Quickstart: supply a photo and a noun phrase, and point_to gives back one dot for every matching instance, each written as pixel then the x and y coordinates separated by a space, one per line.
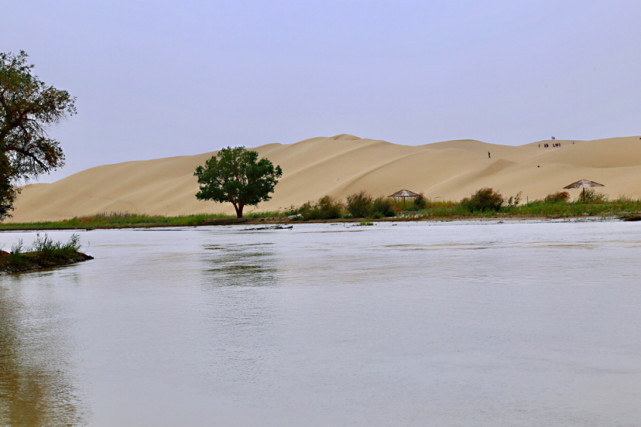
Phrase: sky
pixel 166 78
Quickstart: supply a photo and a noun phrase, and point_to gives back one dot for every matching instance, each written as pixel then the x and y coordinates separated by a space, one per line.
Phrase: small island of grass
pixel 45 253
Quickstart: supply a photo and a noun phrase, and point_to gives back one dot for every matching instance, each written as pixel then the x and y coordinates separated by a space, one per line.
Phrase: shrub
pixel 590 196
pixel 292 211
pixel 559 197
pixel 382 207
pixel 514 200
pixel 325 208
pixel 329 208
pixel 306 210
pixel 420 202
pixel 359 205
pixel 486 199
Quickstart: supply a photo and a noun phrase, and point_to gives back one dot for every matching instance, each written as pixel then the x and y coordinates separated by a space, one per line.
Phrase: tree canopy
pixel 27 107
pixel 237 176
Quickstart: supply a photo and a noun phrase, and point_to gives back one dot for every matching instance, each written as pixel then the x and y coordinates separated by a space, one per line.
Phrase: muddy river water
pixel 465 323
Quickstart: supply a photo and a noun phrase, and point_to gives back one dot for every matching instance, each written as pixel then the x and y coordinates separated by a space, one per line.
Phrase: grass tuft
pixel 44 253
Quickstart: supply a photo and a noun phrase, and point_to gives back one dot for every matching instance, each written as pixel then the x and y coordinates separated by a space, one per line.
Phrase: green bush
pixel 325 208
pixel 559 197
pixel 590 196
pixel 329 208
pixel 486 199
pixel 360 205
pixel 420 202
pixel 382 207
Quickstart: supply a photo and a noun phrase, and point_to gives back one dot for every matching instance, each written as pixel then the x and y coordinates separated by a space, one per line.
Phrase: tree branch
pixel 27 154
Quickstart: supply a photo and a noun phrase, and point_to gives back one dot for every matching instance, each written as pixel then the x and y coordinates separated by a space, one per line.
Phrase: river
pixel 416 324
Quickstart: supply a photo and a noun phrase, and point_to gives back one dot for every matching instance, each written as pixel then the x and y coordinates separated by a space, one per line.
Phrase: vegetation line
pixel 127 220
pixel 485 203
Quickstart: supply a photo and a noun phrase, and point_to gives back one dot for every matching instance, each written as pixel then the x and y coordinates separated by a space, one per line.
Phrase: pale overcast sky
pixel 165 78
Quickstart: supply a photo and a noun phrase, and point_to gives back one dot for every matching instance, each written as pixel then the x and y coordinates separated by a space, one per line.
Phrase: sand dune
pixel 342 165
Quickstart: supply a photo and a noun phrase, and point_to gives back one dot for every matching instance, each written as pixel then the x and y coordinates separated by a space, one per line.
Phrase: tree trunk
pixel 239 211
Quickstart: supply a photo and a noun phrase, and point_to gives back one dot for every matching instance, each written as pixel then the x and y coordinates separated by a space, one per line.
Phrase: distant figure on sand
pixel 488 155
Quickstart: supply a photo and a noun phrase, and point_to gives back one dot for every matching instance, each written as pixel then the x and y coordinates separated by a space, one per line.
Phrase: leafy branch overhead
pixel 27 107
pixel 237 176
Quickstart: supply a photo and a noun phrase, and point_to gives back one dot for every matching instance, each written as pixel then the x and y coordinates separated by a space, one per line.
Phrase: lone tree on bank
pixel 236 175
pixel 27 106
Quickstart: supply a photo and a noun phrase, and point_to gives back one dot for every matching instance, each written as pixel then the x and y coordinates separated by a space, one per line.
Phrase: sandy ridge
pixel 341 165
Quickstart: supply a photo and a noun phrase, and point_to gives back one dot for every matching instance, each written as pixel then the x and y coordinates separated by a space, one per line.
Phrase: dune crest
pixel 342 165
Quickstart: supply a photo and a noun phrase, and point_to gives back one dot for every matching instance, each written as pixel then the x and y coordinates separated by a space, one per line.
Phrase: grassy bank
pixel 486 203
pixel 126 220
pixel 360 206
pixel 535 209
pixel 45 253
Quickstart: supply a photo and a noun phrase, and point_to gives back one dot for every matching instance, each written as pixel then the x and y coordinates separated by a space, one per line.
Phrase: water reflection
pixel 241 264
pixel 240 313
pixel 35 387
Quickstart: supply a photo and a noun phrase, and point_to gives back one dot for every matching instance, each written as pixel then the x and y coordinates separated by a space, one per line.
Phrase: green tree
pixel 236 175
pixel 27 107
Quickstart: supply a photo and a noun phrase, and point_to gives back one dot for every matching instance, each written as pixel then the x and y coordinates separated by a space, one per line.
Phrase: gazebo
pixel 583 184
pixel 404 194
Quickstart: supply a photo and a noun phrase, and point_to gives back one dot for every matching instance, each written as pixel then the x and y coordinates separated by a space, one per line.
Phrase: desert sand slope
pixel 342 165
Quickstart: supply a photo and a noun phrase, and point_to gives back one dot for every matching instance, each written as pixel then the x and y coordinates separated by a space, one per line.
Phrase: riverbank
pixel 125 220
pixel 32 261
pixel 484 204
pixel 120 221
pixel 45 253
